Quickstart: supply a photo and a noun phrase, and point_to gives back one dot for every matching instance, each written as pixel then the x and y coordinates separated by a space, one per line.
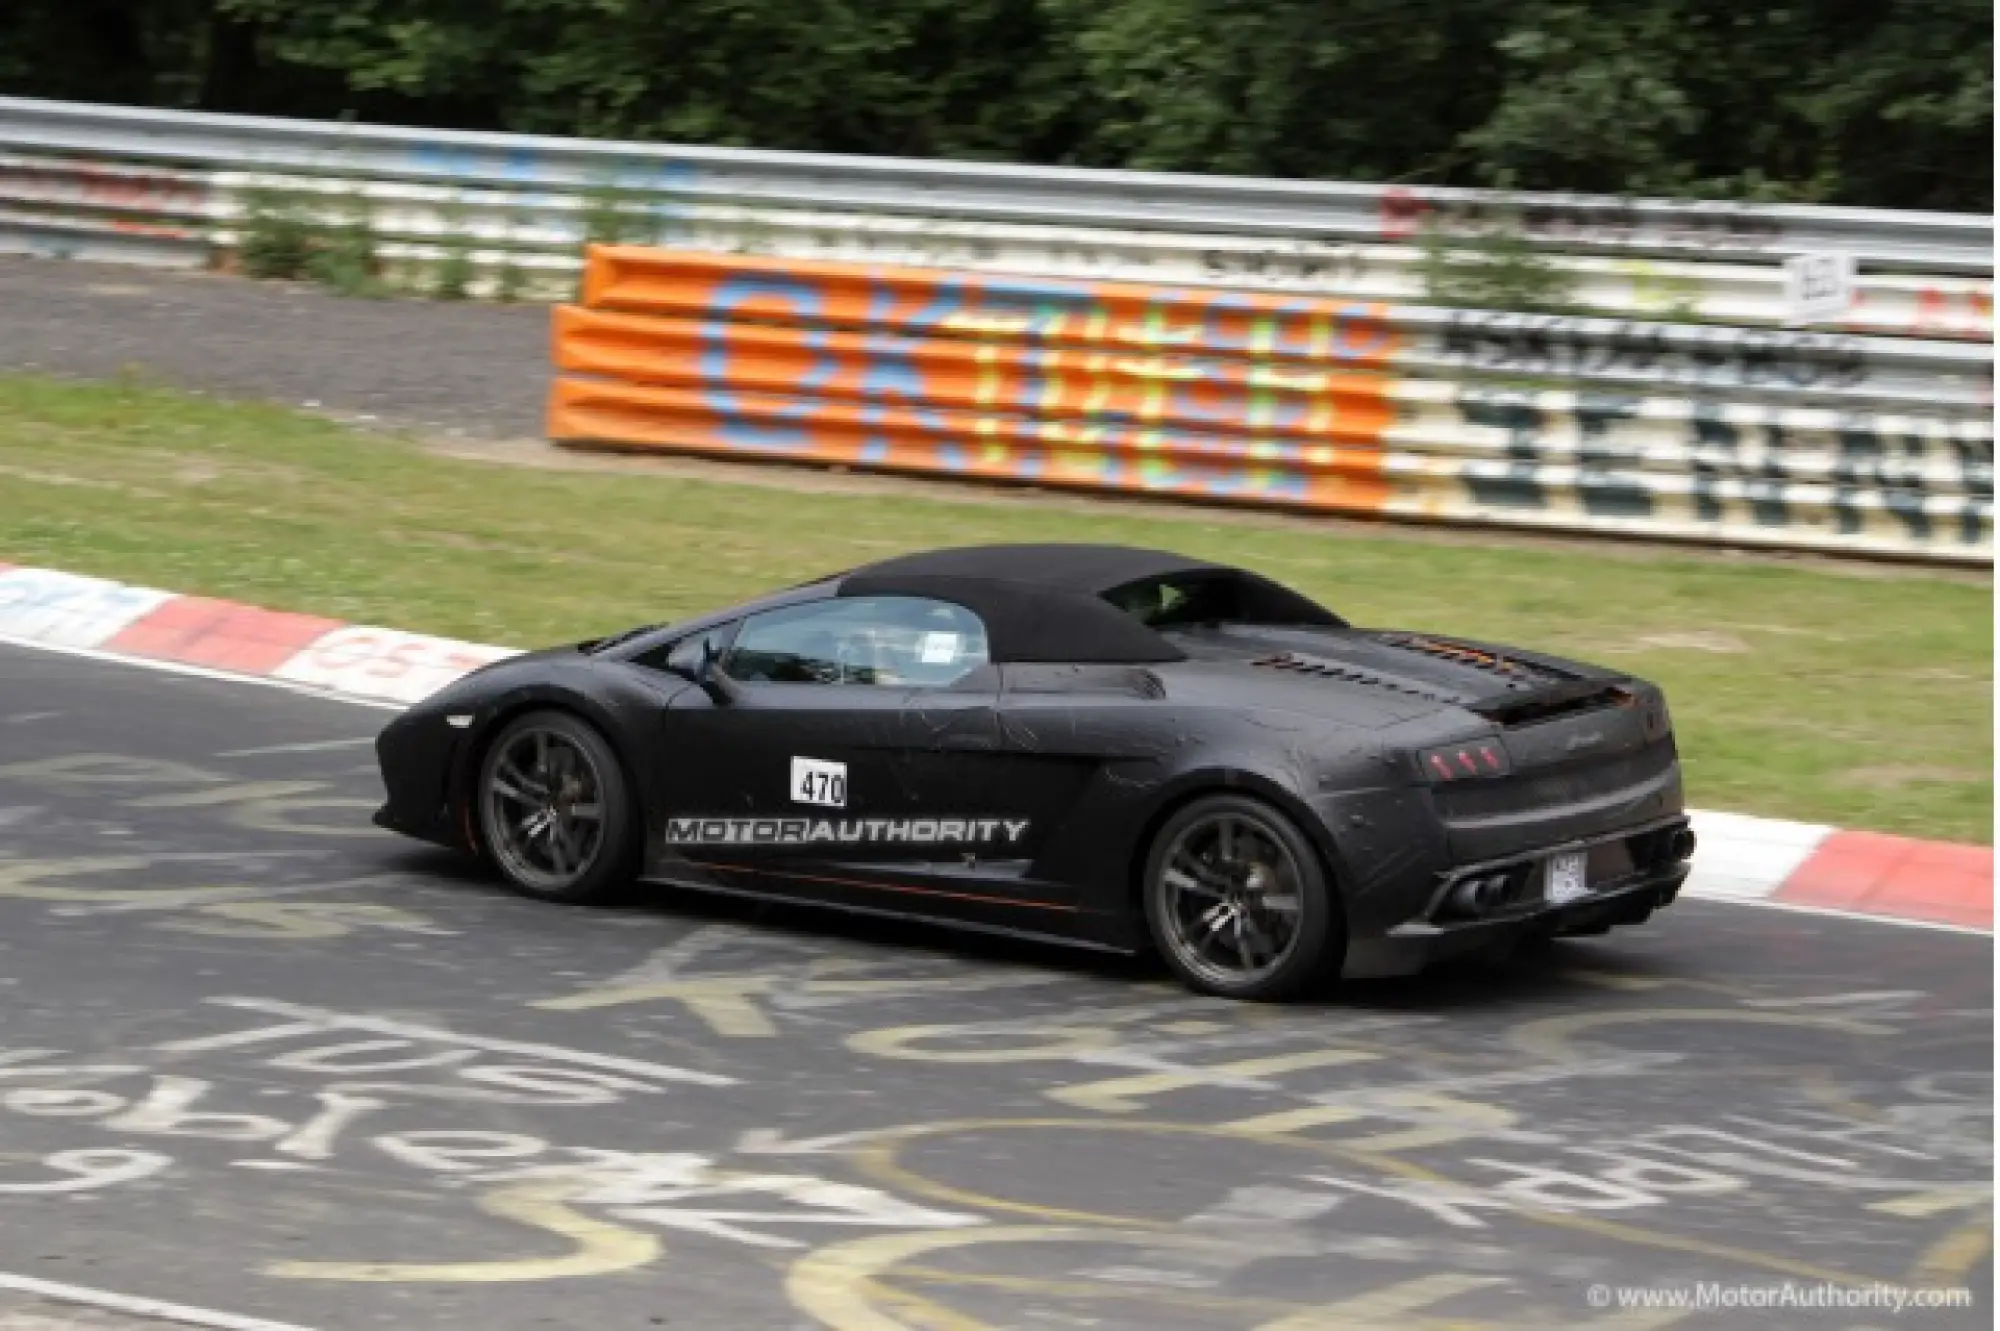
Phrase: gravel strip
pixel 477 369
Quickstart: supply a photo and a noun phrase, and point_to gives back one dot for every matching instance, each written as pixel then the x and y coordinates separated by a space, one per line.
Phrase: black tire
pixel 566 831
pixel 1196 872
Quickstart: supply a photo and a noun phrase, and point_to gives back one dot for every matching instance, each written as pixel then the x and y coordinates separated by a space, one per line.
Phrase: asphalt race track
pixel 262 1058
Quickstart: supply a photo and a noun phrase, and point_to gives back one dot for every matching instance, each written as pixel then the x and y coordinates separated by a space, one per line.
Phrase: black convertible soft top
pixel 1047 602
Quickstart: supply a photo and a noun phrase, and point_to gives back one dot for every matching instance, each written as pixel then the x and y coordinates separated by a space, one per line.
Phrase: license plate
pixel 1569 877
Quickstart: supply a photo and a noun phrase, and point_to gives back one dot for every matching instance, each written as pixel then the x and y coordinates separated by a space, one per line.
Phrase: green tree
pixel 957 77
pixel 1882 102
pixel 1333 89
pixel 1841 101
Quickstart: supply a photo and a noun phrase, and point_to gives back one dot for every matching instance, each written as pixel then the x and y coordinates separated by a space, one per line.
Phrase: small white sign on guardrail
pixel 1819 287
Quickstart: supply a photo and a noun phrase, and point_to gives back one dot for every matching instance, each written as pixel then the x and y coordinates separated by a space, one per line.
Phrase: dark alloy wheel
pixel 554 811
pixel 1237 901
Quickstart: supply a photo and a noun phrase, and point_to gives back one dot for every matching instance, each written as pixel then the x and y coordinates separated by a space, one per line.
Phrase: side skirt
pixel 954 923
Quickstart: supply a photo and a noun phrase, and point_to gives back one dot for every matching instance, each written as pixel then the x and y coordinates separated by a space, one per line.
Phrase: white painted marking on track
pixel 185 1314
pixel 199 672
pixel 1838 1000
pixel 175 898
pixel 341 1021
pixel 316 746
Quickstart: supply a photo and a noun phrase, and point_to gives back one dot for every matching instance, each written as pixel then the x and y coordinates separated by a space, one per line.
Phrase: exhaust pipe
pixel 1477 896
pixel 1681 846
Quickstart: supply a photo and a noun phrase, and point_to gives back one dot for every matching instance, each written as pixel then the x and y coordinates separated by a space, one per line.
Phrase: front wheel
pixel 1237 901
pixel 555 812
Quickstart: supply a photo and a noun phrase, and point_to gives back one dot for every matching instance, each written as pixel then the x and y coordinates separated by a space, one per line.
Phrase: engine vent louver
pixel 1518 674
pixel 1299 663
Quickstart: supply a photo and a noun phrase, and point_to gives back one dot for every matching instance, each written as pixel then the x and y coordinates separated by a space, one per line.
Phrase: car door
pixel 837 751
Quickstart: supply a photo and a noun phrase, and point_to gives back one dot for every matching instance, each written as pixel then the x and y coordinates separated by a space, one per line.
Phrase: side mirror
pixel 720 688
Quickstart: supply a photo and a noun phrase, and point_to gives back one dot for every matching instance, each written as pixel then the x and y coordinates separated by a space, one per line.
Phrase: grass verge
pixel 1862 698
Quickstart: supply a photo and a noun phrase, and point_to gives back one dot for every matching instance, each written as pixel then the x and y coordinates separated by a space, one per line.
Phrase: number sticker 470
pixel 815 781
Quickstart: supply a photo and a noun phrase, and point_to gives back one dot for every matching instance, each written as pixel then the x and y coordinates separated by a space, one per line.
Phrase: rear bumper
pixel 1431 934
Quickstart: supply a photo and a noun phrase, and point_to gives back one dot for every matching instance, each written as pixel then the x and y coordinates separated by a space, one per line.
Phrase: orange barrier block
pixel 725 289
pixel 1124 388
pixel 991 445
pixel 1111 385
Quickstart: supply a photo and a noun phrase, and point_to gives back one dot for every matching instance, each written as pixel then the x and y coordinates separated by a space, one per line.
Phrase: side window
pixel 884 641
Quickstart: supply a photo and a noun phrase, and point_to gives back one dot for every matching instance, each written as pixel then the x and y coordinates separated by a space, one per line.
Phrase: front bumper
pixel 417 755
pixel 1650 881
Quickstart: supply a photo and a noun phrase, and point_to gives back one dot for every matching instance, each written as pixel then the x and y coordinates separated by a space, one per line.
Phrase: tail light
pixel 1473 760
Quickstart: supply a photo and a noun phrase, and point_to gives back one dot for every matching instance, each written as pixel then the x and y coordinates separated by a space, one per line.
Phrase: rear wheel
pixel 1237 901
pixel 555 812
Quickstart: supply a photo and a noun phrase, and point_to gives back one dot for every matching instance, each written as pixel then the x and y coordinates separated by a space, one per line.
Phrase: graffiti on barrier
pixel 1957 312
pixel 1740 357
pixel 1278 399
pixel 1323 263
pixel 121 188
pixel 1406 212
pixel 1887 465
pixel 1607 483
pixel 726 290
pixel 1878 465
pixel 1934 480
pixel 1035 379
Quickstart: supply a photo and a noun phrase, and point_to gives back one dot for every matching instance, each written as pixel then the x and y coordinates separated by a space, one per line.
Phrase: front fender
pixel 622 701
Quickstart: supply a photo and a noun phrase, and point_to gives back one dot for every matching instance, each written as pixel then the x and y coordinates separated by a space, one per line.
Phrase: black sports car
pixel 1105 745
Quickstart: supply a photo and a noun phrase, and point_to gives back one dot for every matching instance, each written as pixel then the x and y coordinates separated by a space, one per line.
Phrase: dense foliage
pixel 1882 102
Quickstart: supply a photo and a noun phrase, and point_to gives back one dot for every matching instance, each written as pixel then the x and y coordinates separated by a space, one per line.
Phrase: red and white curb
pixel 1740 858
pixel 64 610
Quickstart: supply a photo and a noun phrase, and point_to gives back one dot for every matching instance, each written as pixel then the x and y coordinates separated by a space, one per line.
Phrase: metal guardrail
pixel 1932 243
pixel 76 207
pixel 1677 362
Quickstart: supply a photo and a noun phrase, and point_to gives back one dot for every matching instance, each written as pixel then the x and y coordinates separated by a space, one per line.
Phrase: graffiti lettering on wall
pixel 1949 313
pixel 1745 357
pixel 1324 263
pixel 525 168
pixel 1405 213
pixel 1935 481
pixel 1606 483
pixel 1072 382
pixel 757 382
pixel 727 290
pixel 1274 399
pixel 1877 466
pixel 122 188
